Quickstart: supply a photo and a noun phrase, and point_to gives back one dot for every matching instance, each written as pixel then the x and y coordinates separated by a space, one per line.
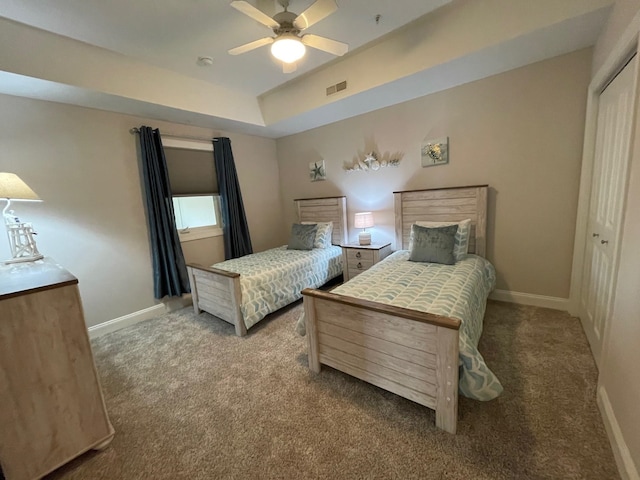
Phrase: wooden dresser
pixel 51 404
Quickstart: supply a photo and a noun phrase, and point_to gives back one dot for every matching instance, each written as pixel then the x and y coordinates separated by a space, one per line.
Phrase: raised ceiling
pixel 140 57
pixel 172 34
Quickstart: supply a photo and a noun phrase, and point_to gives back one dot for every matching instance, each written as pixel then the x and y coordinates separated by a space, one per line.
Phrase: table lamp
pixel 364 220
pixel 20 234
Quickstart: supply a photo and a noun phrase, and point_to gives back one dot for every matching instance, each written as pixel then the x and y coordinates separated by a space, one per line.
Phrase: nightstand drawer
pixel 355 255
pixel 356 266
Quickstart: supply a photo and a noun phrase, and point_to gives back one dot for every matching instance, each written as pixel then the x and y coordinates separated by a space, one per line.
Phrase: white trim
pixel 110 326
pixel 555 303
pixel 126 321
pixel 199 233
pixel 626 466
pixel 187 144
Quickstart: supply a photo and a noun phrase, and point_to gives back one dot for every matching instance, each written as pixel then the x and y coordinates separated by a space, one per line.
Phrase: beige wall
pixel 520 132
pixel 83 164
pixel 621 16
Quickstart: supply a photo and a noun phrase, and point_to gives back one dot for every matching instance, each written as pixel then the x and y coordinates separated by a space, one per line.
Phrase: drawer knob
pixel 358 255
pixel 359 266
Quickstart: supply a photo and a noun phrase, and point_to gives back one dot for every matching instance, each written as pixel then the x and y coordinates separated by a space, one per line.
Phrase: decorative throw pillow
pixel 302 237
pixel 323 235
pixel 433 245
pixel 461 246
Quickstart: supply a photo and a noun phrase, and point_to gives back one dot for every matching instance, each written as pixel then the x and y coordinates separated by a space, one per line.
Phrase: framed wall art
pixel 317 171
pixel 435 152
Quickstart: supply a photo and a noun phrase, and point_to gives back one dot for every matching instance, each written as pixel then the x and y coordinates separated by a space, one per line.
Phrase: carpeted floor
pixel 189 400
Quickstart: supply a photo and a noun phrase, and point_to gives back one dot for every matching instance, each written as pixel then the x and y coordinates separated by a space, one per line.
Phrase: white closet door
pixel 613 141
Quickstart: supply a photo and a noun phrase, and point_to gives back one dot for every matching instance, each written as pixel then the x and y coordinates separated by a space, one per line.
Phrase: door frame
pixel 626 47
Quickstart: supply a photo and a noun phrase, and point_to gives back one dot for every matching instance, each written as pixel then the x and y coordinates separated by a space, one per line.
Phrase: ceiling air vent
pixel 338 87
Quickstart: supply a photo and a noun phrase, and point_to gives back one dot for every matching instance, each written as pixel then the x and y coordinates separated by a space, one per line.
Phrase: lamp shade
pixel 364 220
pixel 13 188
pixel 288 48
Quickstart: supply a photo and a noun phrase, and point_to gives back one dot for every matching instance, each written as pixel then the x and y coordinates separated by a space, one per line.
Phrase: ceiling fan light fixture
pixel 288 48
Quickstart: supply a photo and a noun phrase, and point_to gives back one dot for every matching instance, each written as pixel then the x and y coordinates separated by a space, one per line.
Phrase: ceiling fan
pixel 288 45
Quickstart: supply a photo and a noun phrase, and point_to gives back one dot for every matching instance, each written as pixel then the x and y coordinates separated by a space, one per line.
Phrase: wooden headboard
pixel 328 209
pixel 441 205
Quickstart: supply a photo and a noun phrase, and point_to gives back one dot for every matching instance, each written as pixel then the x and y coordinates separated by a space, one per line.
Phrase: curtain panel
pixel 237 240
pixel 169 268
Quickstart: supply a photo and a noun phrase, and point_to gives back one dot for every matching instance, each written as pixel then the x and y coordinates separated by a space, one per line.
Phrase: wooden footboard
pixel 412 354
pixel 217 292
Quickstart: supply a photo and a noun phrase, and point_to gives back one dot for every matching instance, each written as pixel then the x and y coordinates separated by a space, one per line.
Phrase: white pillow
pixel 461 245
pixel 323 234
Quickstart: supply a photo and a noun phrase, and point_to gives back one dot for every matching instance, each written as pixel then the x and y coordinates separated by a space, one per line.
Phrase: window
pixel 194 185
pixel 197 216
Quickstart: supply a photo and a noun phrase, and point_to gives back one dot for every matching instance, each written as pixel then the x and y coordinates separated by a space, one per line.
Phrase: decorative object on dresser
pixel 20 234
pixel 364 220
pixel 358 258
pixel 52 405
pixel 435 152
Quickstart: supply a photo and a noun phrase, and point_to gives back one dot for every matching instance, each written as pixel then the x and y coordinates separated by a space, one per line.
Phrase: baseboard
pixel 556 303
pixel 626 465
pixel 136 317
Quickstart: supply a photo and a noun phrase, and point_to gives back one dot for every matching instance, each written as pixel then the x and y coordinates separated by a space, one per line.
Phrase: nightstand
pixel 358 258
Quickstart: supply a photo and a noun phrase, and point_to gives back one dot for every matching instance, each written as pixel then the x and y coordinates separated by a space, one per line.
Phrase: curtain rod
pixel 135 130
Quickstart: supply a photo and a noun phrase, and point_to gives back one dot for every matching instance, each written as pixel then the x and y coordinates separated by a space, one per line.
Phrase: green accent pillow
pixel 323 235
pixel 433 245
pixel 302 237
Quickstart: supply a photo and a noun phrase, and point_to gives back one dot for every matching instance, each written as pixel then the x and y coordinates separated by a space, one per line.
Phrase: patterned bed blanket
pixel 457 291
pixel 274 278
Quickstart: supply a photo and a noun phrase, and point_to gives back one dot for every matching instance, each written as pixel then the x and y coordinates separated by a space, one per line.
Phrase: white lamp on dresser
pixel 364 220
pixel 20 234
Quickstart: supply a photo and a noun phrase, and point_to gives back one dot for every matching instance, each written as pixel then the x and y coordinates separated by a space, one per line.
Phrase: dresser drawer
pixel 355 255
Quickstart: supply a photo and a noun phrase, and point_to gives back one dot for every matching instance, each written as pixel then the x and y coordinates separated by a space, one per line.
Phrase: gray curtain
pixel 169 269
pixel 237 241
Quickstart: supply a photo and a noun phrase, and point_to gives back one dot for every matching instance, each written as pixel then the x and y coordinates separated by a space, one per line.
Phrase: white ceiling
pixel 172 34
pixel 139 57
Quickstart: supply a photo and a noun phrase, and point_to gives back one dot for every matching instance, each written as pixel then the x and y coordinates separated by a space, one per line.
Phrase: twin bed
pixel 244 290
pixel 409 327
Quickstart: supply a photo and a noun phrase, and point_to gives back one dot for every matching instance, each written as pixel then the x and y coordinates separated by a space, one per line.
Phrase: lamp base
pixel 24 259
pixel 364 238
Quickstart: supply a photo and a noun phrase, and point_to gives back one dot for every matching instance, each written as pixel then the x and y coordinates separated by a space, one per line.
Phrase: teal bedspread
pixel 457 291
pixel 274 278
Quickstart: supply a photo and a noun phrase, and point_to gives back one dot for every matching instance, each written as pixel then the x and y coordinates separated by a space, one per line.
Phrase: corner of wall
pixel 626 465
pixel 131 319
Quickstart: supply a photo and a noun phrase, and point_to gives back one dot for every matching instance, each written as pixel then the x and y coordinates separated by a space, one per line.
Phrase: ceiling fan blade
pixel 289 67
pixel 325 44
pixel 316 12
pixel 254 13
pixel 251 46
